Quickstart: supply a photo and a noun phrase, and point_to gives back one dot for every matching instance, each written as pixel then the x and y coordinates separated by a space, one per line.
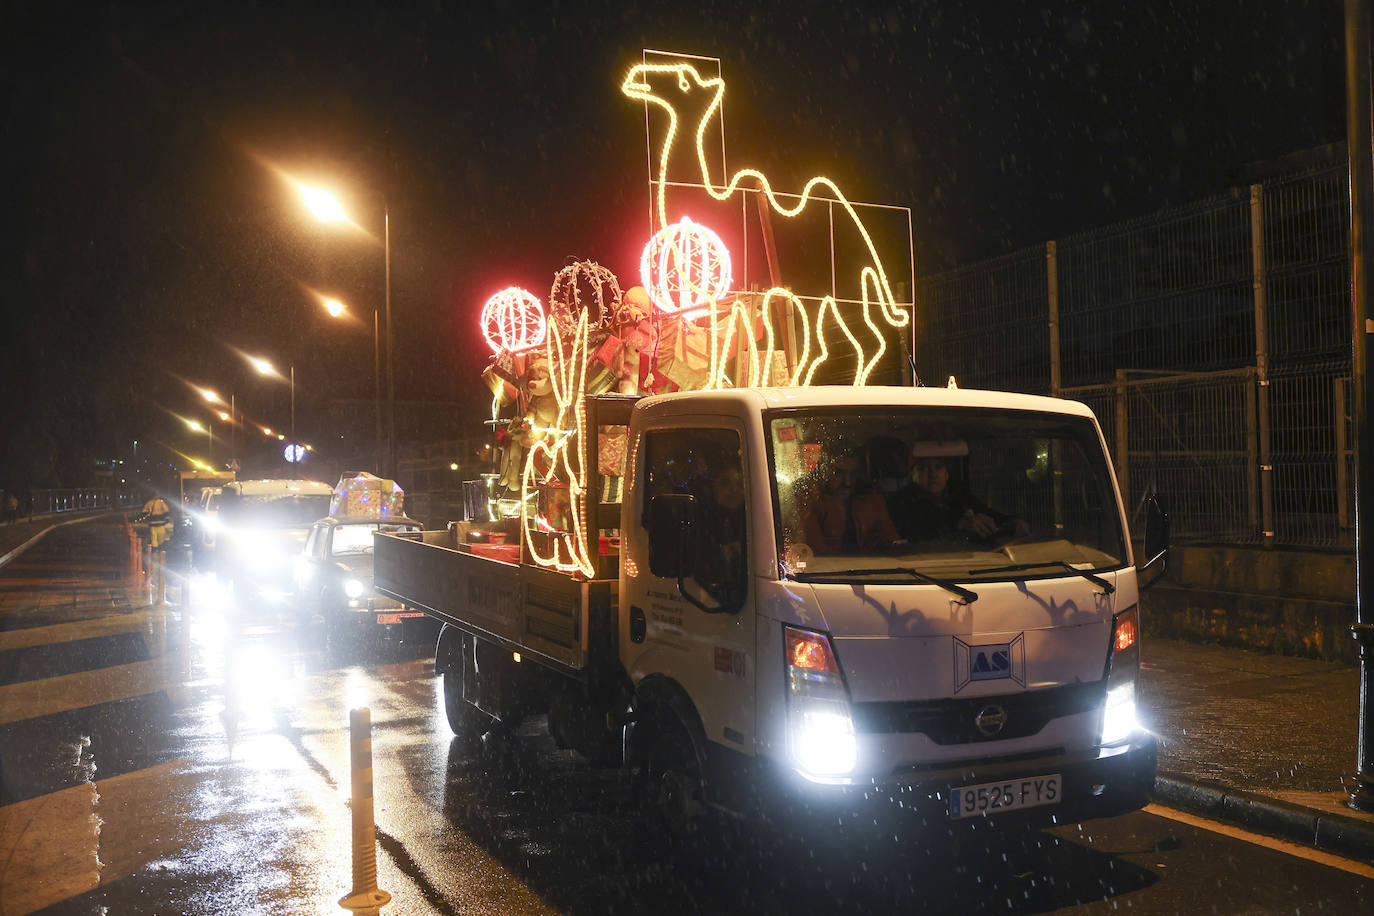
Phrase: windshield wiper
pixel 1106 586
pixel 844 574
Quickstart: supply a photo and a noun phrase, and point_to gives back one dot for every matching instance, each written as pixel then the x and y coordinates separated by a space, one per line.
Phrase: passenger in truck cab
pixel 846 515
pixel 933 507
pixel 722 550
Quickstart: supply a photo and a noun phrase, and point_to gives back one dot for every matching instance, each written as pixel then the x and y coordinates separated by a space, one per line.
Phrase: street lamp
pixel 336 309
pixel 195 427
pixel 264 367
pixel 326 208
pixel 213 397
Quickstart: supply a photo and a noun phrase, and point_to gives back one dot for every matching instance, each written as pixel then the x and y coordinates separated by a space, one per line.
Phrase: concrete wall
pixel 1292 602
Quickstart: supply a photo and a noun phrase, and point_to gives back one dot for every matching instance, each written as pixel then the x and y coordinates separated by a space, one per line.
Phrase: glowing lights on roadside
pixel 262 366
pixel 513 320
pixel 210 395
pixel 334 307
pixel 685 268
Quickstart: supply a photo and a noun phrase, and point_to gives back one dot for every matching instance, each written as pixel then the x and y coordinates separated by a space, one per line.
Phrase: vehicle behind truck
pixel 733 653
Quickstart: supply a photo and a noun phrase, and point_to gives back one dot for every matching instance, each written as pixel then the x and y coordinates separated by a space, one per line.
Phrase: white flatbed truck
pixel 741 659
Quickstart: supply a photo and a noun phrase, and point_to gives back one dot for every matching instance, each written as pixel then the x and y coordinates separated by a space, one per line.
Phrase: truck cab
pixel 971 648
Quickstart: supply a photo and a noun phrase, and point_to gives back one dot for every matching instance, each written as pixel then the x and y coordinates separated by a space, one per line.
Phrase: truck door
pixel 696 629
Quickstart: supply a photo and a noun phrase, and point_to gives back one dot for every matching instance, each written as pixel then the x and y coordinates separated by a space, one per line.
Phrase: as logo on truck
pixel 990 662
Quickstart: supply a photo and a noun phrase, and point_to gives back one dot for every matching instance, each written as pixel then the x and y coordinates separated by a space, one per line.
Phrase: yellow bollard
pixel 365 898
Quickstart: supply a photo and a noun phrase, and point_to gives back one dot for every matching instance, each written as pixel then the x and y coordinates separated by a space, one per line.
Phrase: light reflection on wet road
pixel 214 779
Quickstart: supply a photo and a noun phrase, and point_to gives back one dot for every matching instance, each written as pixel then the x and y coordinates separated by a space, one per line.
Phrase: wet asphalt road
pixel 194 759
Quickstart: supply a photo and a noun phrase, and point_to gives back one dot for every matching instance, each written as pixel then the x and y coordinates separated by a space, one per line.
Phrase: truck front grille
pixel 954 721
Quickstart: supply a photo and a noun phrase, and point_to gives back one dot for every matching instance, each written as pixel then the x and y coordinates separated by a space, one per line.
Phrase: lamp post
pixel 327 209
pixel 263 367
pixel 195 427
pixel 336 309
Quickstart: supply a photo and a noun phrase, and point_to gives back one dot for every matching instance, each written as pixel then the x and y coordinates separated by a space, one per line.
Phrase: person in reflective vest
pixel 159 520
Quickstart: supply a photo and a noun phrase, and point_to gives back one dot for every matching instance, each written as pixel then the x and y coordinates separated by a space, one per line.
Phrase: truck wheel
pixel 675 782
pixel 467 721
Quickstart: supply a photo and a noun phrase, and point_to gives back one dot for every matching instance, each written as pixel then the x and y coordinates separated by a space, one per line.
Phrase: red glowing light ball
pixel 513 320
pixel 685 268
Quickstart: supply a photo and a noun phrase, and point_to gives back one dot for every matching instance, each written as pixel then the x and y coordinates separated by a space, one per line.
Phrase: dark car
pixel 334 577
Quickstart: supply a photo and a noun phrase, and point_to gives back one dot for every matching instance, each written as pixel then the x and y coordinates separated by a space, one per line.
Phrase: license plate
pixel 396 618
pixel 996 797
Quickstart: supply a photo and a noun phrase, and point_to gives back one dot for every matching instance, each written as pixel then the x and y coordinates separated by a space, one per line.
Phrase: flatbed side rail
pixel 523 607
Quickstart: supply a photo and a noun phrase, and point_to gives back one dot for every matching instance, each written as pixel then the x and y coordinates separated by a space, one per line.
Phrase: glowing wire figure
pixel 872 276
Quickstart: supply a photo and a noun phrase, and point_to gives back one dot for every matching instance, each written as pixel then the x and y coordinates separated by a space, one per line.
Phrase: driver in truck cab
pixel 932 507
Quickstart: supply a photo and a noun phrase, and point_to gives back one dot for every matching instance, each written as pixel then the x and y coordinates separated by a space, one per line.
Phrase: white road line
pixel 1292 849
pixel 37 537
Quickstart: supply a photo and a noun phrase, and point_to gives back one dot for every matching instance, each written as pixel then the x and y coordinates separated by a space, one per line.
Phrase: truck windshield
pixel 356 538
pixel 275 511
pixel 959 493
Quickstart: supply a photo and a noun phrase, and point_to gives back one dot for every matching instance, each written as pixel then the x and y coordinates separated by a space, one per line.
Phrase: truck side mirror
pixel 1156 541
pixel 672 535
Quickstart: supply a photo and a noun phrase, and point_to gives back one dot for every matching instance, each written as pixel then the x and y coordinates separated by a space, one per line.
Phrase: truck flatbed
pixel 568 623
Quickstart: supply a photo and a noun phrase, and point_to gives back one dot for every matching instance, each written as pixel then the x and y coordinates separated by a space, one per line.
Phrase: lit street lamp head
pixel 325 206
pixel 334 307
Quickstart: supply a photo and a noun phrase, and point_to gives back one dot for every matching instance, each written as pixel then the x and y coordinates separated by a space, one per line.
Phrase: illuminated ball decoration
pixel 513 320
pixel 685 268
pixel 583 286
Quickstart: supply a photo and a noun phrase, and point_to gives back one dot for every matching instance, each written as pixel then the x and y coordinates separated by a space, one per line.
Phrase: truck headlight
pixel 820 730
pixel 1119 720
pixel 354 588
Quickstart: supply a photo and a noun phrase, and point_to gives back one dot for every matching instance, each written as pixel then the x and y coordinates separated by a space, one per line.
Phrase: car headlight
pixel 354 588
pixel 820 729
pixel 1119 720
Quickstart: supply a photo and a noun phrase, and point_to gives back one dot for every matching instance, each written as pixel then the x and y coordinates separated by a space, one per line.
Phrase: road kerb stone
pixel 1345 836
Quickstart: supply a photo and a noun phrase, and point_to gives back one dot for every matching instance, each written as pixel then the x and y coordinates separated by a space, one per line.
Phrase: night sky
pixel 150 235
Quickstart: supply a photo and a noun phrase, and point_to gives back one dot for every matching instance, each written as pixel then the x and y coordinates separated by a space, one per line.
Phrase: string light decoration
pixel 872 276
pixel 560 454
pixel 513 320
pixel 686 272
pixel 584 286
pixel 685 267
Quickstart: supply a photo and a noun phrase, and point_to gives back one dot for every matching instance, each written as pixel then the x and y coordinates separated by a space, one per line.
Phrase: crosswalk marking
pixel 57 846
pixel 111 625
pixel 49 848
pixel 50 695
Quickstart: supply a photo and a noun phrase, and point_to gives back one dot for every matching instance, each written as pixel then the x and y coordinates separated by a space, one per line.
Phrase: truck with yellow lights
pixel 812 606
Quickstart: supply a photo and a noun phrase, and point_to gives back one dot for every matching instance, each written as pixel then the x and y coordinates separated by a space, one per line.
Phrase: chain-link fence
pixel 1211 340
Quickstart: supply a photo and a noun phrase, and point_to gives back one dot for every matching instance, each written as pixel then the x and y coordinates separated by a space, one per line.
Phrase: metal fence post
pixel 1052 290
pixel 1266 460
pixel 1123 451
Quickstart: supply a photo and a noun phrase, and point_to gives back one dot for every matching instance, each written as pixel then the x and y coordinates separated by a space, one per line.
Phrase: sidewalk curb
pixel 1334 833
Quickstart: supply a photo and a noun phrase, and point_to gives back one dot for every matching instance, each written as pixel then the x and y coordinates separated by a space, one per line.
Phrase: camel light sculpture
pixel 876 290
